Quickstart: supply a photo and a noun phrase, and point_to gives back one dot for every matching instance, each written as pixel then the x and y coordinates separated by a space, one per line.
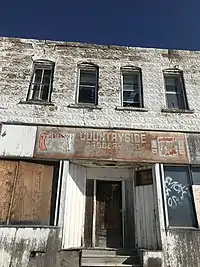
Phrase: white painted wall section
pixel 17 140
pixel 74 206
pixel 146 232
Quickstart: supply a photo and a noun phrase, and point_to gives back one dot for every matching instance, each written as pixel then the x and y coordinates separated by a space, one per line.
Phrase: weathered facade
pixel 100 154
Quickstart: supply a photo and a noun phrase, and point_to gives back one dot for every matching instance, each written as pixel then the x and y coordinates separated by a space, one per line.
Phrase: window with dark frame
pixel 88 84
pixel 175 89
pixel 131 87
pixel 143 177
pixel 179 194
pixel 42 81
pixel 28 192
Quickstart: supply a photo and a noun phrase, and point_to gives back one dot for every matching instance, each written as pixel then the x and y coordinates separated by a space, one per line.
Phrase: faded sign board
pixel 193 141
pixel 85 143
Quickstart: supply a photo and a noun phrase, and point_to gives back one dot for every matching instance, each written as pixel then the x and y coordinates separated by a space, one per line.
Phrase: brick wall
pixel 16 62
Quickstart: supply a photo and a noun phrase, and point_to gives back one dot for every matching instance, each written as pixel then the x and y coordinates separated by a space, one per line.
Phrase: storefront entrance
pixel 103 214
pixel 108 214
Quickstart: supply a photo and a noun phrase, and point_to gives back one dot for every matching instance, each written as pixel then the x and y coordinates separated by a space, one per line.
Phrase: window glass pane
pixel 130 78
pixel 173 84
pixel 44 92
pixel 130 81
pixel 143 177
pixel 175 101
pixel 38 76
pixel 131 87
pixel 36 91
pixel 131 96
pixel 170 80
pixel 47 77
pixel 87 95
pixel 88 77
pixel 178 196
pixel 131 104
pixel 196 175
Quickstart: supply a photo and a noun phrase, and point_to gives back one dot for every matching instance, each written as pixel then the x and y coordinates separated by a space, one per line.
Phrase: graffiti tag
pixel 175 192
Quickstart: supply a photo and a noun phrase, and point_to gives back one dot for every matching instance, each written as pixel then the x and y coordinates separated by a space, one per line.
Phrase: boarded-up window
pixel 26 191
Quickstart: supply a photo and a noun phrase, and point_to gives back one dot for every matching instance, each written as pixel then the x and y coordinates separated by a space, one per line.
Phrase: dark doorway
pixel 108 214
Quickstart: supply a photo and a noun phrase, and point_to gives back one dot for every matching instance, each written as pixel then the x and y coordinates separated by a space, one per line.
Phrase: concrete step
pixel 106 257
pixel 108 252
pixel 110 261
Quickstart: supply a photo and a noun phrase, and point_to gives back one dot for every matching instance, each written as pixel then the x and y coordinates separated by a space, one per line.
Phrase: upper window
pixel 131 87
pixel 88 84
pixel 42 81
pixel 175 89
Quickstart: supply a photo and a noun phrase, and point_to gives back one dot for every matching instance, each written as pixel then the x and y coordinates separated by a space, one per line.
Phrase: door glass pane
pixel 178 196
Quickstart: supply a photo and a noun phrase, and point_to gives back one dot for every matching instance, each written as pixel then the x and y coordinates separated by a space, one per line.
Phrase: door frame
pixel 120 174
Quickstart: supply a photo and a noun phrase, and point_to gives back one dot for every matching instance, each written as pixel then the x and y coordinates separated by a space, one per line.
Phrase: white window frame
pixel 88 67
pixel 182 93
pixel 134 70
pixel 43 65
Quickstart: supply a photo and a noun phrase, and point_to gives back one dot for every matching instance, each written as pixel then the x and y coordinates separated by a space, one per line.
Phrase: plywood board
pixel 7 176
pixel 32 196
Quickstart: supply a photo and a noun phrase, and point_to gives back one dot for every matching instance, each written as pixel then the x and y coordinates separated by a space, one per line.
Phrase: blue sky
pixel 145 23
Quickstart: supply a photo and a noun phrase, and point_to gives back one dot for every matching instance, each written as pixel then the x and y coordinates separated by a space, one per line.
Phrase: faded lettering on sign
pixel 168 146
pixel 112 140
pixel 61 142
pixel 65 141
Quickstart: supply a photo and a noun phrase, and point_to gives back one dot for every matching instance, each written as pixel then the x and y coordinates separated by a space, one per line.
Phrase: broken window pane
pixel 41 84
pixel 175 92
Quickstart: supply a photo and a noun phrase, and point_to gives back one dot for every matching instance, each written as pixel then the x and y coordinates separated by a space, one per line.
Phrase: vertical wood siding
pixel 145 217
pixel 8 173
pixel 75 206
pixel 17 140
pixel 129 226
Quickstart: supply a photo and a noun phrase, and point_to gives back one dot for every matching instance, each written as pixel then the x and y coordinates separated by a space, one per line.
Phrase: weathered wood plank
pixel 7 177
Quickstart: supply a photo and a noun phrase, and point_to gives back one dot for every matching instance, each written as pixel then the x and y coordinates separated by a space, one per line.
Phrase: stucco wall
pixel 19 246
pixel 16 61
pixel 182 248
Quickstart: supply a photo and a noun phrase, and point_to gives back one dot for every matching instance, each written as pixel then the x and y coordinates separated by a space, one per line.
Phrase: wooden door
pixel 108 214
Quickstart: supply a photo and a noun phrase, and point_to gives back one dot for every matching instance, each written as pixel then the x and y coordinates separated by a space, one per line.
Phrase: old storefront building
pixel 99 155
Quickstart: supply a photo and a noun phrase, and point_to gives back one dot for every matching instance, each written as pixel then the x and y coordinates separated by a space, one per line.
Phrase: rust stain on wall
pixel 193 141
pixel 57 143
